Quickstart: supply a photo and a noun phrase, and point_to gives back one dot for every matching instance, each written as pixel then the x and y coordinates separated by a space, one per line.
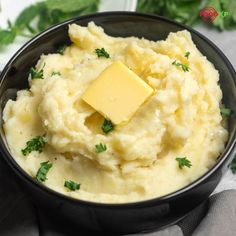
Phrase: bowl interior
pixel 15 75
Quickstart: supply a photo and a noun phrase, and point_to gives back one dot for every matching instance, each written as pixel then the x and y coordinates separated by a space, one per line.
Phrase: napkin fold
pixel 20 217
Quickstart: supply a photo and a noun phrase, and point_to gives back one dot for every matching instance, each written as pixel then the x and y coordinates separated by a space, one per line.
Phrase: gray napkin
pixel 20 217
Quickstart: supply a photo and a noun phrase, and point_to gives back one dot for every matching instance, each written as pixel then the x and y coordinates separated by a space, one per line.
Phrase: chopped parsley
pixel 102 53
pixel 187 55
pixel 183 161
pixel 183 66
pixel 71 185
pixel 56 73
pixel 35 144
pixel 107 126
pixel 233 165
pixel 41 175
pixel 36 74
pixel 61 49
pixel 225 112
pixel 100 148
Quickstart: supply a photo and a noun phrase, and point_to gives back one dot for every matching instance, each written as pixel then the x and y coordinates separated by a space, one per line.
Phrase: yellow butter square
pixel 117 93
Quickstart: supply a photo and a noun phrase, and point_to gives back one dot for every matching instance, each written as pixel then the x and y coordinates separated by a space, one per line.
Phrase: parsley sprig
pixel 187 54
pixel 183 161
pixel 71 185
pixel 56 73
pixel 179 10
pixel 41 175
pixel 102 53
pixel 35 144
pixel 225 112
pixel 107 126
pixel 61 49
pixel 100 148
pixel 183 66
pixel 36 74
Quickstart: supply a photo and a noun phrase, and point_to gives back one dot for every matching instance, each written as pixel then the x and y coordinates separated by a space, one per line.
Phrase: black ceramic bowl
pixel 129 217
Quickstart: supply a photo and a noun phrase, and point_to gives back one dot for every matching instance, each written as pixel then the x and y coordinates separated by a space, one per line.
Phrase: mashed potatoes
pixel 181 119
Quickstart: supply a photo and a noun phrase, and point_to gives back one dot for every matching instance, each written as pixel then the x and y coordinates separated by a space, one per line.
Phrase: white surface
pixel 117 5
pixel 226 41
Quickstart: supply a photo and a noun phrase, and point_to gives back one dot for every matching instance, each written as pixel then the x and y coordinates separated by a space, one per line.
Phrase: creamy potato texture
pixel 181 119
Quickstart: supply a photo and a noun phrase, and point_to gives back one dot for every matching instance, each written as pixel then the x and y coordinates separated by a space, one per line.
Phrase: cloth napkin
pixel 20 217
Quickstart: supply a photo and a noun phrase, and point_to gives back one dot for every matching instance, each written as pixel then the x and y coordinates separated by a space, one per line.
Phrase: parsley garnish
pixel 35 74
pixel 183 161
pixel 71 185
pixel 102 53
pixel 61 49
pixel 100 148
pixel 56 73
pixel 225 112
pixel 43 170
pixel 35 144
pixel 107 126
pixel 187 55
pixel 180 11
pixel 183 66
pixel 233 165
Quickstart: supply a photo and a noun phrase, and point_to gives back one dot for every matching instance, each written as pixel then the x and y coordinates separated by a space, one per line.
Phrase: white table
pixel 226 41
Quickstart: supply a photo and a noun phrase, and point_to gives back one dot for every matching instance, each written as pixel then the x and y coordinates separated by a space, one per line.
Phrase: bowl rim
pixel 139 204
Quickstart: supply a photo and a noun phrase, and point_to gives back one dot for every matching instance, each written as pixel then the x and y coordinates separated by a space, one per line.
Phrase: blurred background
pixel 216 19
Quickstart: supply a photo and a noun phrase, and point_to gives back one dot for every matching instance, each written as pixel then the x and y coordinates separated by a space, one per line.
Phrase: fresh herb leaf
pixel 28 15
pixel 225 112
pixel 41 175
pixel 100 148
pixel 187 55
pixel 179 11
pixel 101 52
pixel 183 161
pixel 35 144
pixel 71 185
pixel 6 37
pixel 36 74
pixel 70 5
pixel 233 165
pixel 183 66
pixel 56 73
pixel 107 126
pixel 61 49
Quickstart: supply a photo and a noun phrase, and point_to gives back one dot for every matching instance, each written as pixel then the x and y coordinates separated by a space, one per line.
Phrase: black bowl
pixel 130 217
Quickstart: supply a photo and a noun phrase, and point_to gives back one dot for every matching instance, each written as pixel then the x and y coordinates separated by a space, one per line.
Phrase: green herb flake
pixel 36 74
pixel 71 185
pixel 56 73
pixel 233 165
pixel 61 49
pixel 187 54
pixel 183 161
pixel 107 126
pixel 102 53
pixel 100 148
pixel 183 66
pixel 35 144
pixel 41 175
pixel 225 112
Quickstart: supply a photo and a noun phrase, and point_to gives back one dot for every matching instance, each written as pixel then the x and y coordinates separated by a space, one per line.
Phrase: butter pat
pixel 117 93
